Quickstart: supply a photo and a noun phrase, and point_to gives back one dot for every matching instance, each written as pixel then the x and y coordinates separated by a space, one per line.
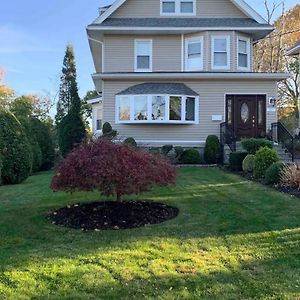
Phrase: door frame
pixel 246 94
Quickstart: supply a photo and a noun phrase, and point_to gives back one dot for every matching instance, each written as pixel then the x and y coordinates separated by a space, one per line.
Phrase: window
pixel 175 108
pixel 98 125
pixel 157 109
pixel 194 56
pixel 190 109
pixel 143 55
pixel 168 7
pixel 220 52
pixel 243 53
pixel 140 108
pixel 178 7
pixel 124 111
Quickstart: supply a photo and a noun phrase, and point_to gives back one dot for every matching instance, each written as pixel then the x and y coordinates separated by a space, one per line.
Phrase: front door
pixel 246 115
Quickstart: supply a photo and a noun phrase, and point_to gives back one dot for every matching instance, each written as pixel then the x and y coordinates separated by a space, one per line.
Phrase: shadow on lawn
pixel 272 278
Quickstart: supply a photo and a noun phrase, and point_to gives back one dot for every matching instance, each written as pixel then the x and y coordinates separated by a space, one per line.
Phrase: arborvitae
pixel 70 126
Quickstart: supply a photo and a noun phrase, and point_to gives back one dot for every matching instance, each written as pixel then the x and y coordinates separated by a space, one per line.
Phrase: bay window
pixel 194 54
pixel 143 55
pixel 159 109
pixel 243 50
pixel 178 7
pixel 220 52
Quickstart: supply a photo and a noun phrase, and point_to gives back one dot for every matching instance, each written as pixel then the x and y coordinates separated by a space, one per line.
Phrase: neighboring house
pixel 171 71
pixel 97 114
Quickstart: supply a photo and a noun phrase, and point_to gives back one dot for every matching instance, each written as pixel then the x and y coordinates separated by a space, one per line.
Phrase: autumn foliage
pixel 113 169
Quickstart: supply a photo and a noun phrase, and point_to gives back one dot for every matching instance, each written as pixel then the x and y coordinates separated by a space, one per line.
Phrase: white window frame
pixel 136 41
pixel 177 8
pixel 248 48
pixel 149 112
pixel 187 42
pixel 213 38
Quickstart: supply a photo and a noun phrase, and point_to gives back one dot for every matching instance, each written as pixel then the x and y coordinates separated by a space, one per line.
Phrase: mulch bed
pixel 112 215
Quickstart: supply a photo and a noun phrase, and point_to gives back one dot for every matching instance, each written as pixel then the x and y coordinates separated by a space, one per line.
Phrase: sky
pixel 34 35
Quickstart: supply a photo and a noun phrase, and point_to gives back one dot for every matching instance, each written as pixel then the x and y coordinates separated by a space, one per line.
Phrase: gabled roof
pixel 159 89
pixel 241 4
pixel 295 50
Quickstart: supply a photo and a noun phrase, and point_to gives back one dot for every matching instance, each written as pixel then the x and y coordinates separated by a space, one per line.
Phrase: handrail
pixel 227 136
pixel 281 135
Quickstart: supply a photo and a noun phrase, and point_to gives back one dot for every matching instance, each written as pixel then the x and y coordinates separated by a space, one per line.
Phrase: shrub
pixel 290 176
pixel 253 145
pixel 44 139
pixel 178 152
pixel 154 150
pixel 273 173
pixel 15 150
pixel 212 150
pixel 191 156
pixel 113 169
pixel 166 149
pixel 71 132
pixel 236 160
pixel 264 158
pixel 108 131
pixel 248 163
pixel 130 141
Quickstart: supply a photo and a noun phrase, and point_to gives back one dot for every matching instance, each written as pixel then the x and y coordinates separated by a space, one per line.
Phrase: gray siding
pixel 212 95
pixel 204 9
pixel 167 51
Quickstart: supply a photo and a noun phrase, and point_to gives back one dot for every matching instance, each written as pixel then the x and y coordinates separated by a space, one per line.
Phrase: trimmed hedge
pixel 253 145
pixel 166 149
pixel 273 173
pixel 178 152
pixel 15 150
pixel 212 150
pixel 236 160
pixel 107 131
pixel 248 163
pixel 264 158
pixel 191 156
pixel 130 141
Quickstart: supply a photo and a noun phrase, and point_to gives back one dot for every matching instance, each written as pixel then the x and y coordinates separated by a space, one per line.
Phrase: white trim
pixel 182 52
pixel 181 29
pixel 228 51
pixel 248 48
pixel 95 101
pixel 242 5
pixel 177 8
pixel 192 75
pixel 291 51
pixel 194 40
pixel 135 55
pixel 149 110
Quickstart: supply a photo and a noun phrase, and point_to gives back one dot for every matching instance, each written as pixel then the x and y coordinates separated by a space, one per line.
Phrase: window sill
pixel 157 122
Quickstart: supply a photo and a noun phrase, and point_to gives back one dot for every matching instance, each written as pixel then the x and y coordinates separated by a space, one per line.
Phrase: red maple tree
pixel 113 169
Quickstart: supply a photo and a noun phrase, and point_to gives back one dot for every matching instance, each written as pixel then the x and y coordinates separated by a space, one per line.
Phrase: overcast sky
pixel 34 34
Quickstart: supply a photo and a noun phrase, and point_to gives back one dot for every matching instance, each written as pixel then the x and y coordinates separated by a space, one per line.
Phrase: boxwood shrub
pixel 253 145
pixel 130 141
pixel 15 150
pixel 191 156
pixel 264 158
pixel 236 160
pixel 273 173
pixel 212 150
pixel 248 163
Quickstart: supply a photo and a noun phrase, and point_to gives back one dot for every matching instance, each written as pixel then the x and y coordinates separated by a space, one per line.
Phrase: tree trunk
pixel 119 198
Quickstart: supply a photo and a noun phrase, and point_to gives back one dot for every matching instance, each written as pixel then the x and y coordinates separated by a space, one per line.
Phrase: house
pixel 174 71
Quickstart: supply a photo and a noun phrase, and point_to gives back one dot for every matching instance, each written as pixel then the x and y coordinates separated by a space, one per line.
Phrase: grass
pixel 233 239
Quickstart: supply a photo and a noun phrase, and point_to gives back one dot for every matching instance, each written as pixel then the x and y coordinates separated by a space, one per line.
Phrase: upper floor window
pixel 143 55
pixel 243 45
pixel 178 7
pixel 221 52
pixel 194 54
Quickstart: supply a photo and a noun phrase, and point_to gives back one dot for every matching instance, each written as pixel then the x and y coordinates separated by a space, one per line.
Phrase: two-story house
pixel 171 71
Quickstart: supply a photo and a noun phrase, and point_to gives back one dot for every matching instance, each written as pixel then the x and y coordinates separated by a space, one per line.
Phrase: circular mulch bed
pixel 112 215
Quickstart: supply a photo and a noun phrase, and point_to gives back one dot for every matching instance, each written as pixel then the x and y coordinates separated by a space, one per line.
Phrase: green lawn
pixel 233 239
